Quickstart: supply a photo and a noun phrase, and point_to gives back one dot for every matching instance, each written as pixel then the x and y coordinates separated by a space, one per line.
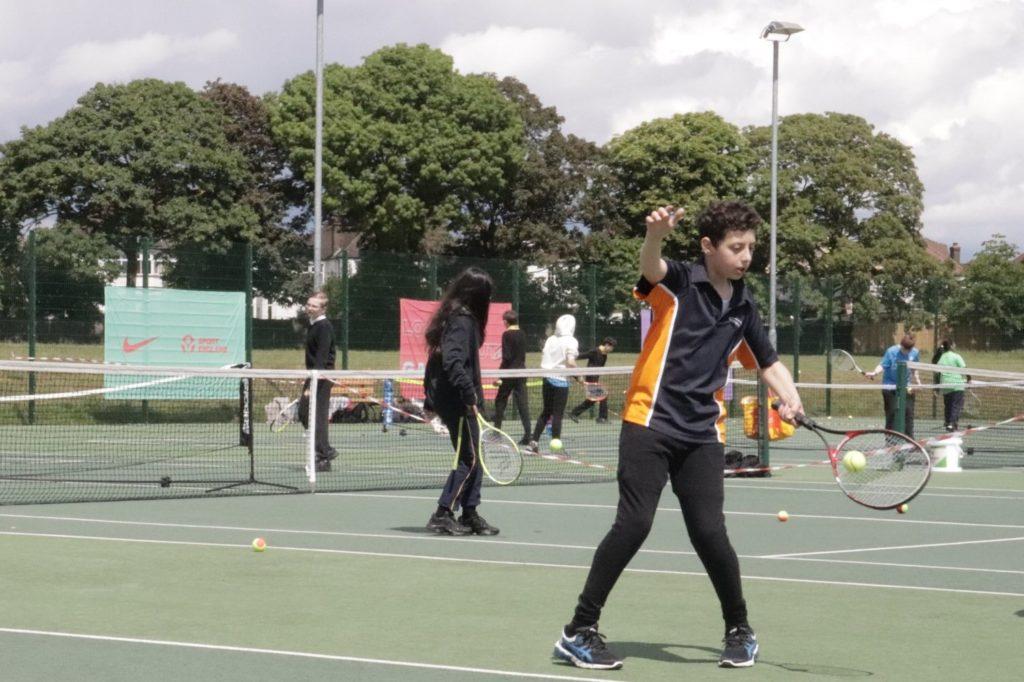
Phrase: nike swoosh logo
pixel 132 347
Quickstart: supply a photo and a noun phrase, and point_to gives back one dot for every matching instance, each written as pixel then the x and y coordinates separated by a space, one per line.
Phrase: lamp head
pixel 780 30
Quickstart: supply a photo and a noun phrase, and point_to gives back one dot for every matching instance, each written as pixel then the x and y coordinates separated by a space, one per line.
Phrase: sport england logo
pixel 191 344
pixel 129 347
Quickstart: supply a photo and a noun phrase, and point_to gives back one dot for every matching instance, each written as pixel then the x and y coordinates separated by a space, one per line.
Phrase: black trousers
pixel 953 406
pixel 647 460
pixel 462 489
pixel 889 403
pixel 602 408
pixel 323 409
pixel 555 398
pixel 517 389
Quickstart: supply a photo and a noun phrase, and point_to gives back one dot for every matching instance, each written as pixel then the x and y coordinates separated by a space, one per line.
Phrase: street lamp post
pixel 318 152
pixel 777 31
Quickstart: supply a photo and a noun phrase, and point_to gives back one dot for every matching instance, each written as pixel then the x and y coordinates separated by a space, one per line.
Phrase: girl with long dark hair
pixel 455 392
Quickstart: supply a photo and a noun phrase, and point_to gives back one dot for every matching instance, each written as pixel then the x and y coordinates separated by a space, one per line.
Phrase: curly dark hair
pixel 721 217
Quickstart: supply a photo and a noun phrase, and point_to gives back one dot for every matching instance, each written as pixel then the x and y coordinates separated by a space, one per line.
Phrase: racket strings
pixel 895 469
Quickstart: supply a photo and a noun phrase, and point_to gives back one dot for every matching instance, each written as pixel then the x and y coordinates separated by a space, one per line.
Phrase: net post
pixel 31 321
pixel 314 377
pixel 764 449
pixel 900 422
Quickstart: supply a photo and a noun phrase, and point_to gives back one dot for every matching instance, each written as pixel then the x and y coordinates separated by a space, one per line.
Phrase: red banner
pixel 412 354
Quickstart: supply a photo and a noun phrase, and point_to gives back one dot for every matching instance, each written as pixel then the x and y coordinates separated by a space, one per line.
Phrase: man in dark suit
pixel 319 355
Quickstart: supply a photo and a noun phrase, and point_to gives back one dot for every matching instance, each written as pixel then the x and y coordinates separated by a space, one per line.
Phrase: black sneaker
pixel 525 440
pixel 574 417
pixel 533 447
pixel 444 523
pixel 586 649
pixel 323 465
pixel 601 420
pixel 477 524
pixel 740 648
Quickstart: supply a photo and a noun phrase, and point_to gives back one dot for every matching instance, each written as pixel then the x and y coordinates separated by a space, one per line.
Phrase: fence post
pixel 796 328
pixel 248 303
pixel 432 281
pixel 32 321
pixel 763 440
pixel 344 309
pixel 144 249
pixel 592 286
pixel 830 294
pixel 515 285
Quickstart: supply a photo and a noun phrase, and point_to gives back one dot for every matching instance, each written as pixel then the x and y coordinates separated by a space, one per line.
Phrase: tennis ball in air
pixel 556 444
pixel 259 544
pixel 783 516
pixel 854 461
pixel 903 508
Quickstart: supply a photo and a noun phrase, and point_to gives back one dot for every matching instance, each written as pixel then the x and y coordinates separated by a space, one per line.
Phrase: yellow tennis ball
pixel 259 544
pixel 903 508
pixel 783 516
pixel 854 461
pixel 556 444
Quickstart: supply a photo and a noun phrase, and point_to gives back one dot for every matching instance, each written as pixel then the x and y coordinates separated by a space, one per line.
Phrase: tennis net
pixel 83 432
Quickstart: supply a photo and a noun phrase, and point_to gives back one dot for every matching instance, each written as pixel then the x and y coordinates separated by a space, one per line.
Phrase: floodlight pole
pixel 318 152
pixel 776 31
pixel 773 249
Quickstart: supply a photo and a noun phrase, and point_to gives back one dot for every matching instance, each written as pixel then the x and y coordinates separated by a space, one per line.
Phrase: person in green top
pixel 952 382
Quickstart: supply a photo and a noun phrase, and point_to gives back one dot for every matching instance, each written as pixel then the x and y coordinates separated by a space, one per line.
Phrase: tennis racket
pixel 500 457
pixel 896 467
pixel 844 361
pixel 972 404
pixel 595 391
pixel 287 415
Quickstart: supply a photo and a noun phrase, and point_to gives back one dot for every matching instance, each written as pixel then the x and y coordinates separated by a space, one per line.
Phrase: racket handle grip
pixel 800 419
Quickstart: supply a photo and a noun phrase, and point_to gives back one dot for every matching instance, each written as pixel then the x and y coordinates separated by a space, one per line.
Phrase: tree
pixel 414 152
pixel 687 161
pixel 72 268
pixel 145 159
pixel 987 305
pixel 850 203
pixel 280 251
pixel 541 214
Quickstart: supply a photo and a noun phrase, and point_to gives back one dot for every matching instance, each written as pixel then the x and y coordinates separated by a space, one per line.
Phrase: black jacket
pixel 320 345
pixel 452 377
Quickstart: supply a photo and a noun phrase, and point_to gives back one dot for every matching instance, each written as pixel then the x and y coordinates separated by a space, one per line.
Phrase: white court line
pixel 297 654
pixel 475 541
pixel 583 505
pixel 885 549
pixel 494 562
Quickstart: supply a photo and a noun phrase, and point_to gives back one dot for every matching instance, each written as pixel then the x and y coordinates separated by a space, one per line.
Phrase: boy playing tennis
pixel 704 317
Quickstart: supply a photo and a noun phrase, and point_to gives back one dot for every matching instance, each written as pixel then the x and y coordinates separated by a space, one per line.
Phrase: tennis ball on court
pixel 854 461
pixel 783 516
pixel 259 544
pixel 903 508
pixel 556 444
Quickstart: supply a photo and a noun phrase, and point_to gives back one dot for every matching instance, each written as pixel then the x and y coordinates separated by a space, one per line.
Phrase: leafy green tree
pixel 850 203
pixel 144 159
pixel 72 268
pixel 988 305
pixel 280 251
pixel 415 153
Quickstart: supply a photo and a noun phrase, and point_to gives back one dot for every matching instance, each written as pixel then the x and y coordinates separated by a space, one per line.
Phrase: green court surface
pixel 352 587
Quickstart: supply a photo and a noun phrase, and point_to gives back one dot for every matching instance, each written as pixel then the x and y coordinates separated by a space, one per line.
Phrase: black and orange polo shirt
pixel 678 383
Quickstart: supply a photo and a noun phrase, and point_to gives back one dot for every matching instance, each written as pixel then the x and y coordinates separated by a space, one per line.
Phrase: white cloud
pixel 90 62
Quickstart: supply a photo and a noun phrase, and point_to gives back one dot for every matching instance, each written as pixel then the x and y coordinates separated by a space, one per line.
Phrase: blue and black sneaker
pixel 586 649
pixel 740 648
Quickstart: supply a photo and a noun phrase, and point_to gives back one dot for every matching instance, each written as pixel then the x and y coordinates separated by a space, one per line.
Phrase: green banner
pixel 173 327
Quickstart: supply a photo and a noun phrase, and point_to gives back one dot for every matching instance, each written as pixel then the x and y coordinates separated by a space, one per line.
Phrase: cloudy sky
pixel 944 76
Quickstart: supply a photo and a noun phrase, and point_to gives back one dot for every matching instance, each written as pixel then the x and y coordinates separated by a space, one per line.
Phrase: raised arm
pixel 660 223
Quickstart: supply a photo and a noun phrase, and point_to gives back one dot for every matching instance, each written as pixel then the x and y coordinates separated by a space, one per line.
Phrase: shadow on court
pixel 677 653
